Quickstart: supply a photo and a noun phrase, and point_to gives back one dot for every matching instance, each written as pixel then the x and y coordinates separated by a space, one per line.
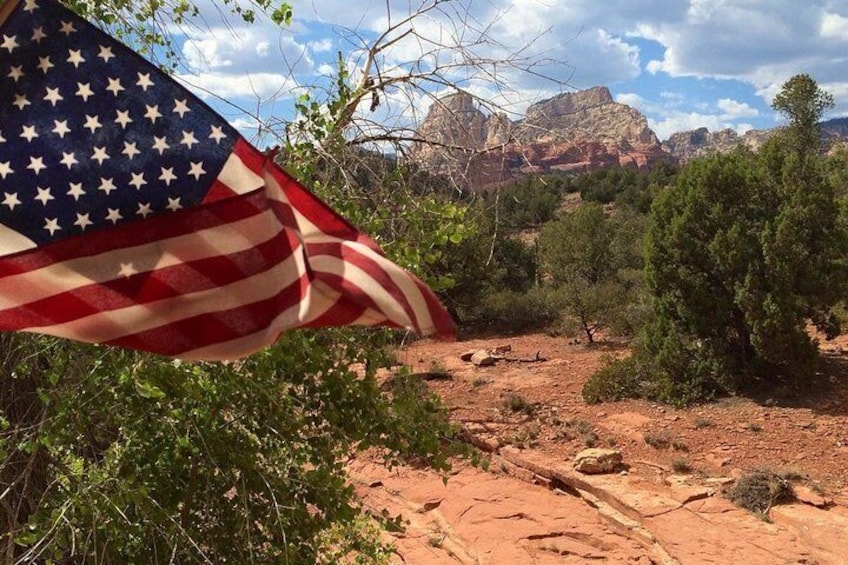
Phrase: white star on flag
pixel 171 232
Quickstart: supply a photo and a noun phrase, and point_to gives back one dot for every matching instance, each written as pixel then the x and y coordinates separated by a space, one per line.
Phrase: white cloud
pixel 325 69
pixel 263 48
pixel 654 66
pixel 743 127
pixel 232 87
pixel 245 49
pixel 761 44
pixel 581 42
pixel 673 98
pixel 733 109
pixel 834 26
pixel 667 117
pixel 321 46
pixel 631 99
pixel 685 121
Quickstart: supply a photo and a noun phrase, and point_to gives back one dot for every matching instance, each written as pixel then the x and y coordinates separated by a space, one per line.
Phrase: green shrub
pixel 595 260
pixel 111 456
pixel 657 441
pixel 681 466
pixel 615 380
pixel 637 376
pixel 742 253
pixel 519 405
pixel 512 312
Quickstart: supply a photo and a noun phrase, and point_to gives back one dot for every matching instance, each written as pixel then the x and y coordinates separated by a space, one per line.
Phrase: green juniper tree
pixel 585 257
pixel 743 251
pixel 803 104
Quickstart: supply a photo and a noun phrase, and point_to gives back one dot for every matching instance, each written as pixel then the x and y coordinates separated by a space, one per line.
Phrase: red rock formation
pixel 573 132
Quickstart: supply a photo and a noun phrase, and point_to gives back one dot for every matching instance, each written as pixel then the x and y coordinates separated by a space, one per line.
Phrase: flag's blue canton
pixel 91 135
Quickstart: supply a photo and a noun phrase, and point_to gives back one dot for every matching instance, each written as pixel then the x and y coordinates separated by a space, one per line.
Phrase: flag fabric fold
pixel 131 214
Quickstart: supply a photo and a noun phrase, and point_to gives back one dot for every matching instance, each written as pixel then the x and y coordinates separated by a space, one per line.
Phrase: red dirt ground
pixel 785 432
pixel 805 434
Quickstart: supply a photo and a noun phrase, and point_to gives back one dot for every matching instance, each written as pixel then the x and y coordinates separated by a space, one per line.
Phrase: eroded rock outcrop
pixel 572 132
pixel 687 145
pixel 586 115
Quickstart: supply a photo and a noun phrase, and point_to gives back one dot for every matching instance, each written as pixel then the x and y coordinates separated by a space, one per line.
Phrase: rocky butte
pixel 570 133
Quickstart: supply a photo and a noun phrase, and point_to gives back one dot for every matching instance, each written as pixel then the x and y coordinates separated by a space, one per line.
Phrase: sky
pixel 683 63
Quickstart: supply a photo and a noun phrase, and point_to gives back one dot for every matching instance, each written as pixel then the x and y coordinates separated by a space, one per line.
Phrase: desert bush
pixel 483 264
pixel 681 466
pixel 514 312
pixel 679 445
pixel 743 251
pixel 133 458
pixel 657 441
pixel 518 404
pixel 701 423
pixel 760 491
pixel 594 261
pixel 527 202
pixel 615 380
pixel 638 376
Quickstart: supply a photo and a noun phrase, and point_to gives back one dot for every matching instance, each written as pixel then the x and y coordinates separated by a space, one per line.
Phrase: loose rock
pixel 596 461
pixel 482 358
pixel 808 496
pixel 467 355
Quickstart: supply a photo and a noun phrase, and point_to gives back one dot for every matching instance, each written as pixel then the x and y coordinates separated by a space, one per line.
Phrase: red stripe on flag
pixel 154 229
pixel 441 321
pixel 217 327
pixel 252 158
pixel 351 256
pixel 145 288
pixel 218 191
pixel 313 209
pixel 443 324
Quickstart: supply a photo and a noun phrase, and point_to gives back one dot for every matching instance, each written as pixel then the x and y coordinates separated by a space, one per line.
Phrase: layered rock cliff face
pixel 573 132
pixel 590 114
pixel 835 135
pixel 577 132
pixel 687 145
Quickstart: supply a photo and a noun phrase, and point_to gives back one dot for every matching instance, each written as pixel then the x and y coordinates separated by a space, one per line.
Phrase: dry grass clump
pixel 760 491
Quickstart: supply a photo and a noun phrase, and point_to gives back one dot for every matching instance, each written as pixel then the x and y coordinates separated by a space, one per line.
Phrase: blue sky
pixel 682 63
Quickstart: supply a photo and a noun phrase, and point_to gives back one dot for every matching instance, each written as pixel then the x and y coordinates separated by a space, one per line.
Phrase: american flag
pixel 131 214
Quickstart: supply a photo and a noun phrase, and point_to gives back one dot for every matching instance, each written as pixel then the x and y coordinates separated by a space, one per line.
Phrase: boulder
pixel 467 355
pixel 482 358
pixel 809 496
pixel 596 461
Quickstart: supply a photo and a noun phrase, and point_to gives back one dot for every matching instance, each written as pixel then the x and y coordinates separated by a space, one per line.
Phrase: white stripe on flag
pixel 336 265
pixel 366 283
pixel 314 305
pixel 13 242
pixel 123 322
pixel 238 177
pixel 67 276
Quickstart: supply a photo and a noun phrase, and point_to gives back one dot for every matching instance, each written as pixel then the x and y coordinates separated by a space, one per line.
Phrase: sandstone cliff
pixel 577 132
pixel 589 114
pixel 687 145
pixel 573 132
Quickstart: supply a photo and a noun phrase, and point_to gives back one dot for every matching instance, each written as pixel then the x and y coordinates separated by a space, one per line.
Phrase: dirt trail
pixel 532 507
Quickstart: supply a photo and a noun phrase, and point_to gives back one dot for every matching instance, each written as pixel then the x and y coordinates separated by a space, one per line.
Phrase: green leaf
pixel 146 389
